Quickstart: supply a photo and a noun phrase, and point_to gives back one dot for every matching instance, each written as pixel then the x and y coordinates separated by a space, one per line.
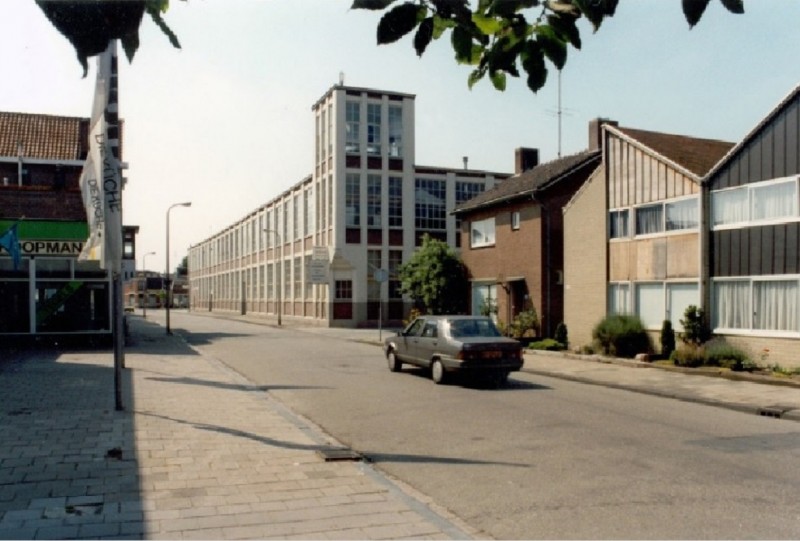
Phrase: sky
pixel 225 122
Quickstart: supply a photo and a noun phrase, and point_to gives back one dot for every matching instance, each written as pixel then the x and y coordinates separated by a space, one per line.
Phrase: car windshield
pixel 463 328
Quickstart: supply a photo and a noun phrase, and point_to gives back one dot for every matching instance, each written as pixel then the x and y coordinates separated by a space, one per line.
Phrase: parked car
pixel 454 344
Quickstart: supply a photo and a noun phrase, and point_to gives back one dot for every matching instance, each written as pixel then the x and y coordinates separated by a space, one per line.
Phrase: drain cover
pixel 339 454
pixel 771 411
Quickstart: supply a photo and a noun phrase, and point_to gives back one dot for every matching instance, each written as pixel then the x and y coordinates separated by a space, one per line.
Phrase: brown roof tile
pixel 694 154
pixel 44 137
pixel 540 177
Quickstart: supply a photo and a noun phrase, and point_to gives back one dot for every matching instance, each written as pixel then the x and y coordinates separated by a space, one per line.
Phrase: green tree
pixel 436 277
pixel 183 268
pixel 498 37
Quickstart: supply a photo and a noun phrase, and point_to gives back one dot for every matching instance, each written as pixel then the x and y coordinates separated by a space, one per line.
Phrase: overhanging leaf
pixel 462 45
pixel 398 22
pixel 423 36
pixel 565 27
pixel 693 10
pixel 89 26
pixel 475 76
pixel 498 80
pixel 734 6
pixel 596 10
pixel 532 58
pixel 440 24
pixel 371 4
pixel 154 9
pixel 553 47
pixel 487 25
pixel 562 6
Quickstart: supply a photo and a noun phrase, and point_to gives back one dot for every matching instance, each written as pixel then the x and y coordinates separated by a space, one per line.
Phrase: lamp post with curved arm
pixel 168 282
pixel 278 274
pixel 144 284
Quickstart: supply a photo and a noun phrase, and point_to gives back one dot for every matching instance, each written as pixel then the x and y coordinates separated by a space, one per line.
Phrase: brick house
pixel 752 287
pixel 632 234
pixel 50 292
pixel 511 237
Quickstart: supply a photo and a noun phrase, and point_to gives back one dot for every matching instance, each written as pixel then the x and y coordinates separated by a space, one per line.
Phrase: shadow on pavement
pixel 64 443
pixel 234 386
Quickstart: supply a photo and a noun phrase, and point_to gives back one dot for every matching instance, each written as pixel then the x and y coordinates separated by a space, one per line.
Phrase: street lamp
pixel 144 284
pixel 278 277
pixel 168 282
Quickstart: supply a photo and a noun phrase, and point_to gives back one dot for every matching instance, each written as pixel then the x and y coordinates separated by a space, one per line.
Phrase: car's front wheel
pixel 394 363
pixel 438 373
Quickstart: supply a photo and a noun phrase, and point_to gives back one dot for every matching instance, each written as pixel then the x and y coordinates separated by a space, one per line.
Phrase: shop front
pixel 50 292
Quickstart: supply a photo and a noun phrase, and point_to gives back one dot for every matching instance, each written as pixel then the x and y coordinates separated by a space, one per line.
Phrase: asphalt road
pixel 540 458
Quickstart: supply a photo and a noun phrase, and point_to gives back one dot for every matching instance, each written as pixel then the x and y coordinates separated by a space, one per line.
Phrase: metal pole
pixel 166 277
pixel 144 284
pixel 118 339
pixel 168 282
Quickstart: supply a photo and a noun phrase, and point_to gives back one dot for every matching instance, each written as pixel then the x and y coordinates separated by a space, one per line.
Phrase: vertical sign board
pixel 318 267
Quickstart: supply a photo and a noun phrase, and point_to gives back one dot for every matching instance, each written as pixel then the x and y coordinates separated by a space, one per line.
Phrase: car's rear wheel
pixel 438 374
pixel 394 363
pixel 501 378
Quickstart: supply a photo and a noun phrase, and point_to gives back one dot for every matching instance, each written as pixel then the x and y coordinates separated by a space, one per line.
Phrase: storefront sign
pixel 51 247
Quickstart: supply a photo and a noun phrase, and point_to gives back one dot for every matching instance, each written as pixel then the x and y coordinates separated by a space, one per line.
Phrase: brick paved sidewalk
pixel 198 453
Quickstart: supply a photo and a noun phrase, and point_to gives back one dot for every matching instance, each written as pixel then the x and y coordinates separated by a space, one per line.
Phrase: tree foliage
pixel 436 277
pixel 90 24
pixel 183 267
pixel 498 37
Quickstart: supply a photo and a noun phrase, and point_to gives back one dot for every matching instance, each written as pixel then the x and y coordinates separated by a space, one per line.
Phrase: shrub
pixel 714 353
pixel 526 323
pixel 720 353
pixel 695 328
pixel 548 344
pixel 688 355
pixel 667 339
pixel 621 335
pixel 561 334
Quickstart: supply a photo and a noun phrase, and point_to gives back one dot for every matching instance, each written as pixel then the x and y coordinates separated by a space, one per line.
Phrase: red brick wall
pixel 41 203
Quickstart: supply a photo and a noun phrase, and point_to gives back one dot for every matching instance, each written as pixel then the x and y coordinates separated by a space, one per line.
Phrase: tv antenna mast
pixel 560 112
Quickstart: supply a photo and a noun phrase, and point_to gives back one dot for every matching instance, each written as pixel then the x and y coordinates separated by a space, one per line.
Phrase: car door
pixel 428 342
pixel 407 342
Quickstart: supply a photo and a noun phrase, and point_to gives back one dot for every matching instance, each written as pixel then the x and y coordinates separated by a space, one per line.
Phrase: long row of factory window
pixel 293 217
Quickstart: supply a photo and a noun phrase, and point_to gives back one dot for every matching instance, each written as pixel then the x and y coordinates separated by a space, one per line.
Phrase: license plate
pixel 492 355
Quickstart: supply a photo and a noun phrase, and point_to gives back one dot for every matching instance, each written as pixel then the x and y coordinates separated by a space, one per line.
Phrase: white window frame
pixel 663 220
pixel 613 217
pixel 374 134
pixel 750 190
pixel 515 220
pixel 482 233
pixel 619 298
pixel 674 315
pixel 749 329
pixel 352 127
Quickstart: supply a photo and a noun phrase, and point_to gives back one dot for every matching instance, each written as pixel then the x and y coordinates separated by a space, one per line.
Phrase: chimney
pixel 596 132
pixel 524 159
pixel 466 161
